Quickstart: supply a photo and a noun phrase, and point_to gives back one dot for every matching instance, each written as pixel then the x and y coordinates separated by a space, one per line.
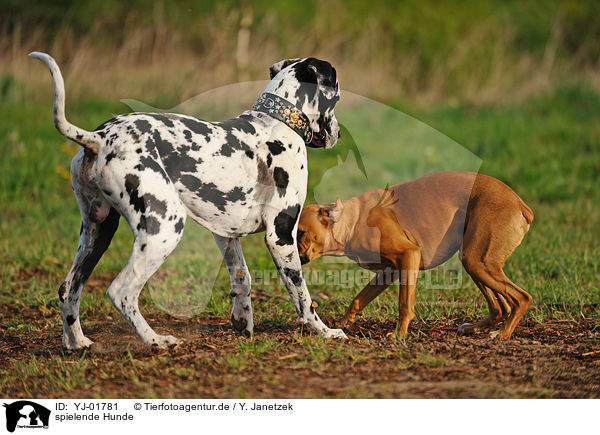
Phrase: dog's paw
pixel 335 333
pixel 241 326
pixel 165 341
pixel 466 329
pixel 496 335
pixel 77 344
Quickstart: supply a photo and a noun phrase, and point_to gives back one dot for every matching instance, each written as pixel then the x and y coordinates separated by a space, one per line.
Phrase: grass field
pixel 547 149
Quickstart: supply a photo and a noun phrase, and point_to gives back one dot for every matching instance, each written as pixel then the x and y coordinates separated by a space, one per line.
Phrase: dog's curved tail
pixel 86 139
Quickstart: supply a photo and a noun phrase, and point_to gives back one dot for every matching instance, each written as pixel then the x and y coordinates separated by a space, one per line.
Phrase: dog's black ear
pixel 326 77
pixel 276 67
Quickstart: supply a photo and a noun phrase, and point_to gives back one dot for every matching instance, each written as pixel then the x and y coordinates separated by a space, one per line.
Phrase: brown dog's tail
pixel 527 212
pixel 87 139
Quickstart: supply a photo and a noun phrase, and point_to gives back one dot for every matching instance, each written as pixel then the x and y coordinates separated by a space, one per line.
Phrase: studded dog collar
pixel 284 111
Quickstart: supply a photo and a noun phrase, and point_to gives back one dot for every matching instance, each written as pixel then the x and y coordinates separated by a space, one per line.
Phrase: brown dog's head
pixel 315 231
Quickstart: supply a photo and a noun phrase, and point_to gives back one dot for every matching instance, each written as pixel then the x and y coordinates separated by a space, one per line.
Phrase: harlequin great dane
pixel 236 177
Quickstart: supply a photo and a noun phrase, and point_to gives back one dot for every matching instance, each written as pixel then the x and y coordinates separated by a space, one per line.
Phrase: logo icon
pixel 26 414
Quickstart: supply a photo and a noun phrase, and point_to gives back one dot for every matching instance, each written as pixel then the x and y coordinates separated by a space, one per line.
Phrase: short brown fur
pixel 419 225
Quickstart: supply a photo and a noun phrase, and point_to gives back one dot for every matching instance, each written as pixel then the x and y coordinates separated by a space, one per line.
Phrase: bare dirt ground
pixel 554 359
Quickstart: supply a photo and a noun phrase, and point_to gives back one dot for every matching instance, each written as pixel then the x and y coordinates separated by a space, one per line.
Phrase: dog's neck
pixel 299 94
pixel 286 112
pixel 343 229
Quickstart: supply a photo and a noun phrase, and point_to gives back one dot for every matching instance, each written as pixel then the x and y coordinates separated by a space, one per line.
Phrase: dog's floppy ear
pixel 330 214
pixel 276 67
pixel 326 77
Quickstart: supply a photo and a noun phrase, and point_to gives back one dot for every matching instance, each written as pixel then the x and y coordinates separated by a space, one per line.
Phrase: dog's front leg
pixel 409 271
pixel 375 287
pixel 286 258
pixel 241 313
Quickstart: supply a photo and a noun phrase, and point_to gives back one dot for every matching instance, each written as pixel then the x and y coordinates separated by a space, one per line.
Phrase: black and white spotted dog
pixel 236 177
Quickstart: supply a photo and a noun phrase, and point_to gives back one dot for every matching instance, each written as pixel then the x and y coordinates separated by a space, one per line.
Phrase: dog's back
pixel 437 208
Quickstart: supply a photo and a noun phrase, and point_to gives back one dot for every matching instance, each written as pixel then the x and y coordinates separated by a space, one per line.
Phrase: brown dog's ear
pixel 276 67
pixel 330 214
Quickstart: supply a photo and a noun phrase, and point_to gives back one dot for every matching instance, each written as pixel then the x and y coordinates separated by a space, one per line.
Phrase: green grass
pixel 547 150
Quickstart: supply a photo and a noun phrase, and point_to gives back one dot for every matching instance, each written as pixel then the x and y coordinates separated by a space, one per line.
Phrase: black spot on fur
pixel 232 144
pixel 147 202
pixel 134 134
pixel 164 147
pixel 187 134
pixel 240 124
pixel 196 126
pixel 61 292
pixel 110 156
pixel 106 124
pixel 282 179
pixel 269 160
pixel 177 163
pixel 71 319
pixel 132 182
pixel 179 226
pixel 226 149
pixel 150 163
pixel 275 147
pixel 143 126
pixel 155 205
pixel 208 192
pixel 250 154
pixel 284 224
pixel 162 119
pixel 149 224
pixel 294 275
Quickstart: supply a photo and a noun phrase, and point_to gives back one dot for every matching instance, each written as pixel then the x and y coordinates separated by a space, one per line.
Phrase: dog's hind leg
pixel 241 314
pixel 484 253
pixel 99 221
pixel 157 218
pixel 373 289
pixel 94 239
pixel 150 249
pixel 494 316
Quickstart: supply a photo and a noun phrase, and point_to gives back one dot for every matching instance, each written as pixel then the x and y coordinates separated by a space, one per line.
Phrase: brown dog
pixel 419 225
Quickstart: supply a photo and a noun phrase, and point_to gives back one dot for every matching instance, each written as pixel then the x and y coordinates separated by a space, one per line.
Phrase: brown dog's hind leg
pixel 495 315
pixel 486 248
pixel 504 305
pixel 375 287
pixel 518 298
